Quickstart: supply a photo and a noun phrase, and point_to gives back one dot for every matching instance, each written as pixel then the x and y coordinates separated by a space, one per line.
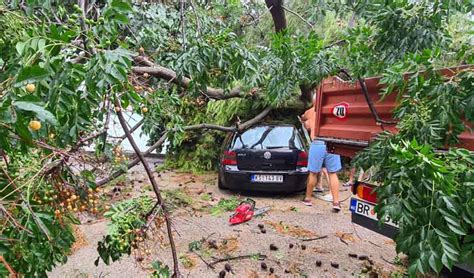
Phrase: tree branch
pixel 132 163
pixel 171 76
pixel 156 188
pixel 298 15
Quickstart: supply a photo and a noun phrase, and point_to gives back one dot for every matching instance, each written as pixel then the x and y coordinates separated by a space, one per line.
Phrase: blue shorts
pixel 319 157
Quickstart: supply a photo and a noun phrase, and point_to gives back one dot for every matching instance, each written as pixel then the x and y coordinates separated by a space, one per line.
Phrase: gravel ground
pixel 286 223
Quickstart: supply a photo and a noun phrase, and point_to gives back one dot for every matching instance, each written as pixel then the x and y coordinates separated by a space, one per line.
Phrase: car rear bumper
pixel 240 180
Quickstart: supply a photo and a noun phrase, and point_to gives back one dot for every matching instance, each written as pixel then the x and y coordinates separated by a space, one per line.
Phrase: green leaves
pixel 39 111
pixel 31 74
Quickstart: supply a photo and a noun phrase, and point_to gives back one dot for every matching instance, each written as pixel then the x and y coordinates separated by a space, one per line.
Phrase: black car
pixel 264 158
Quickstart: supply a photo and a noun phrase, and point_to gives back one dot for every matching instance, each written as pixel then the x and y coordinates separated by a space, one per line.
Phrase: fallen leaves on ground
pixel 345 236
pixel 228 245
pixel 81 240
pixel 288 229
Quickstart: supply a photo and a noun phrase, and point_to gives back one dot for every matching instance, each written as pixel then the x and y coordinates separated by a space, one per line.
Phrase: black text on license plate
pixel 267 178
pixel 367 210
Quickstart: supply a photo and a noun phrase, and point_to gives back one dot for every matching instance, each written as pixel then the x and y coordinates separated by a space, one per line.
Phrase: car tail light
pixel 230 158
pixel 302 159
pixel 365 191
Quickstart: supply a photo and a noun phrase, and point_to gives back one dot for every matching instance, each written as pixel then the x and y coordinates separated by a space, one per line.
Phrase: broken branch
pixel 155 186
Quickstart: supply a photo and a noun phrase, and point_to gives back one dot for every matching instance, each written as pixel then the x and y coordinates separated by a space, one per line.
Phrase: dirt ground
pixel 288 226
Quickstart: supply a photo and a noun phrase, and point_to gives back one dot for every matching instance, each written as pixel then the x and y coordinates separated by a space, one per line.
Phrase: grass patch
pixel 225 205
pixel 176 198
pixel 205 197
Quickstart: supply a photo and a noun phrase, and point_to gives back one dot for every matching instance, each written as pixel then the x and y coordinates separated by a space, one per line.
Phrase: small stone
pixel 260 226
pixel 213 244
pixel 272 270
pixel 303 247
pixel 291 245
pixel 335 265
pixel 263 231
pixel 318 263
pixel 222 274
pixel 352 255
pixel 263 265
pixel 273 247
pixel 287 271
pixel 363 257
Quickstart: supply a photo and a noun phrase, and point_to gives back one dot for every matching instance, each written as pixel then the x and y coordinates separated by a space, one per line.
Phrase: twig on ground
pixel 204 261
pixel 343 241
pixel 260 256
pixel 374 244
pixel 315 238
pixel 387 261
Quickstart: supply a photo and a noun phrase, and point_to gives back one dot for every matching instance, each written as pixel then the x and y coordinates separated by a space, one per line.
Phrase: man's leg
pixel 333 165
pixel 316 155
pixel 334 187
pixel 312 179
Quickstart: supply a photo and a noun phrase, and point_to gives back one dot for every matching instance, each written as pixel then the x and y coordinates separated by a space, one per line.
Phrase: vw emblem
pixel 267 155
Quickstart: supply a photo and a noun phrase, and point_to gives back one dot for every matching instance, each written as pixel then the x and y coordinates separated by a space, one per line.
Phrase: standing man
pixel 318 156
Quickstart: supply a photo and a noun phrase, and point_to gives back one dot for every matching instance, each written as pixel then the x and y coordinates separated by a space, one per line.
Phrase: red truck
pixel 348 116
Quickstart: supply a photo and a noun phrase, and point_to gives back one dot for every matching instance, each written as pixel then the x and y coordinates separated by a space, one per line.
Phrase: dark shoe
pixel 336 207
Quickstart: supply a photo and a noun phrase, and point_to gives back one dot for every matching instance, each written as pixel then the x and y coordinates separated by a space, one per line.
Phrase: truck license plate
pixel 267 178
pixel 367 210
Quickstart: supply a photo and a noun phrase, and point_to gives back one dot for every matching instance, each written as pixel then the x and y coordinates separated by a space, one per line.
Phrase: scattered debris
pixel 263 231
pixel 345 237
pixel 334 264
pixel 318 263
pixel 291 245
pixel 187 261
pixel 222 274
pixel 263 265
pixel 287 229
pixel 228 245
pixel 272 270
pixel 303 247
pixel 260 226
pixel 80 241
pixel 363 257
pixel 352 255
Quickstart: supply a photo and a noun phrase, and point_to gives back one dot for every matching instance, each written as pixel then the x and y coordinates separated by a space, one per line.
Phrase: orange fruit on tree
pixel 34 125
pixel 30 88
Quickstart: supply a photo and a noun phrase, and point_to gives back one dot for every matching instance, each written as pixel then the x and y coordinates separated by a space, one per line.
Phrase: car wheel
pixel 219 184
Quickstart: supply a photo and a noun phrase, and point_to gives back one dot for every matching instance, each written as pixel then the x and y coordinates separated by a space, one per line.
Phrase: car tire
pixel 220 185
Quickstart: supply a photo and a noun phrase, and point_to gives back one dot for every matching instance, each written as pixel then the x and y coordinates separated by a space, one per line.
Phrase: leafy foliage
pixel 125 228
pixel 429 194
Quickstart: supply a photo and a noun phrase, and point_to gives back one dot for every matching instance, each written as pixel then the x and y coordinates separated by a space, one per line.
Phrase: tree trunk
pixel 278 14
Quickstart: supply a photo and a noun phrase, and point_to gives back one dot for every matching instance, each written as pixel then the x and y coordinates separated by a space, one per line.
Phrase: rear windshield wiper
pixel 277 147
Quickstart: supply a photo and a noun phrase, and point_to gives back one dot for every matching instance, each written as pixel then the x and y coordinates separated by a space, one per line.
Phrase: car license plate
pixel 267 178
pixel 366 209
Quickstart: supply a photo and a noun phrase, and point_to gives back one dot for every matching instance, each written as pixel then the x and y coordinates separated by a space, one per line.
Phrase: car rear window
pixel 268 137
